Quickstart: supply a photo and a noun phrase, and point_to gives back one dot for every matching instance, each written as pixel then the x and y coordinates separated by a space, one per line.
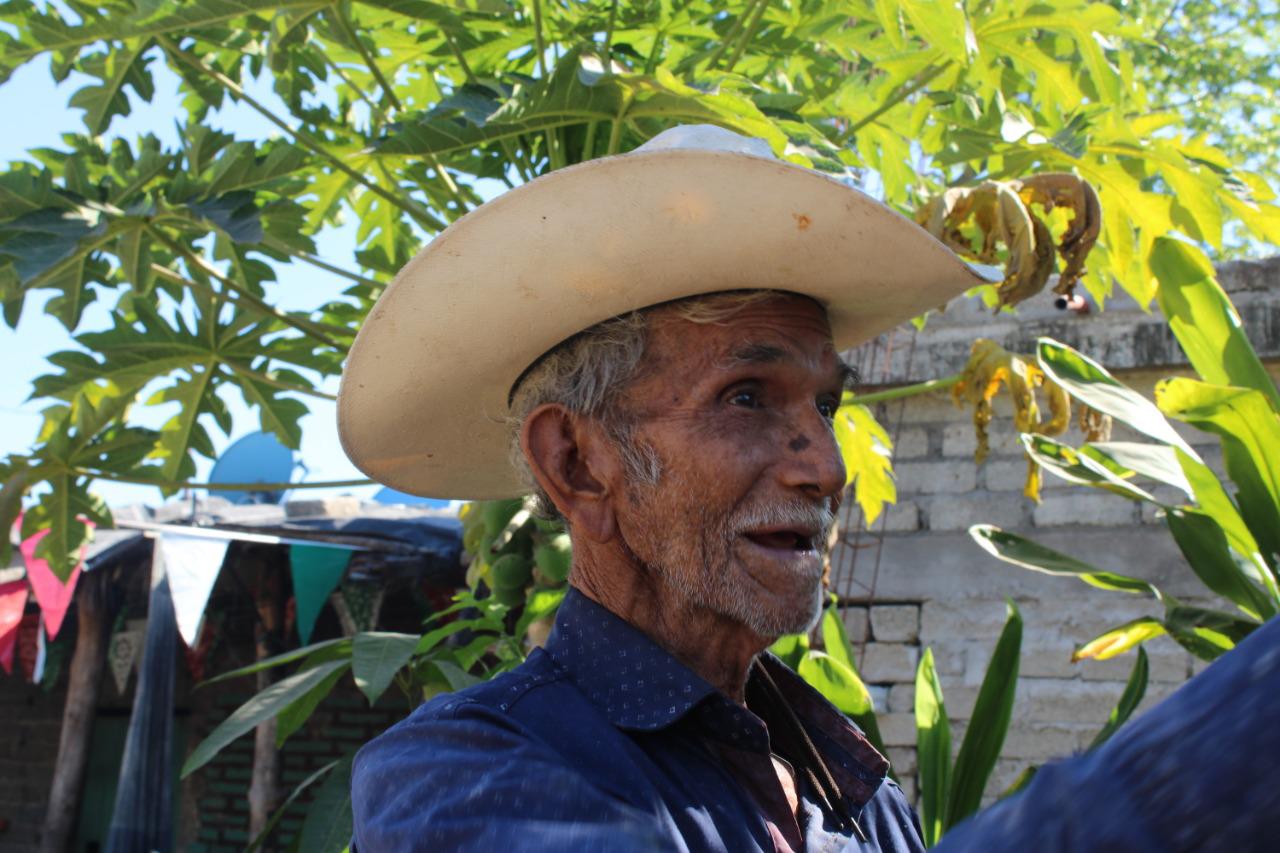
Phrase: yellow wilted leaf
pixel 990 366
pixel 867 452
pixel 1001 213
pixel 1119 640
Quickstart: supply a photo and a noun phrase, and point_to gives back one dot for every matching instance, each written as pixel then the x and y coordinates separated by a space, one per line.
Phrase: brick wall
pixel 31 719
pixel 917 580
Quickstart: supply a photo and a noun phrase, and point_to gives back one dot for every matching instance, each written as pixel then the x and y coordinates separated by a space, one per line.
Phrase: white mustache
pixel 802 514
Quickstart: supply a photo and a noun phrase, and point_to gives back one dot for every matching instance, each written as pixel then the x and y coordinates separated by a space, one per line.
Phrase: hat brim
pixel 423 401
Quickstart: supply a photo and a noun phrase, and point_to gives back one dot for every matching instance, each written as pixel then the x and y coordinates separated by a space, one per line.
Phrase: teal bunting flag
pixel 316 572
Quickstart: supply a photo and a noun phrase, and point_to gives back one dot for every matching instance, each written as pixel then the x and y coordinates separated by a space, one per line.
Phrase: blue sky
pixel 38 115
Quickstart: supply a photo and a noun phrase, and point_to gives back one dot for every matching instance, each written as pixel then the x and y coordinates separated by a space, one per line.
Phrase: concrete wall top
pixel 1123 336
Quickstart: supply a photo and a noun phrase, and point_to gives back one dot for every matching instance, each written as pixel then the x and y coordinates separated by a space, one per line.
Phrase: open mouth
pixel 784 539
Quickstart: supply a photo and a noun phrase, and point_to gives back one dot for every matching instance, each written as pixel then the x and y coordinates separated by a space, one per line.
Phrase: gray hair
pixel 590 373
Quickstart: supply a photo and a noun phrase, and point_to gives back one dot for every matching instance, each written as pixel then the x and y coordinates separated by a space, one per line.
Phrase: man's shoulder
pixel 504 696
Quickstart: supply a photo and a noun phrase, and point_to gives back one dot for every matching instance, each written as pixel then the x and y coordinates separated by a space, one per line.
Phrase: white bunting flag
pixel 126 648
pixel 192 564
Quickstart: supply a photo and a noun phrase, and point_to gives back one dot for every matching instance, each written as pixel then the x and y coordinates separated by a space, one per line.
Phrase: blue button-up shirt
pixel 604 741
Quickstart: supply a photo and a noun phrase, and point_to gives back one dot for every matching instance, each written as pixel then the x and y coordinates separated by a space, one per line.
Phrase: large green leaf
pixel 47 31
pixel 1250 433
pixel 341 647
pixel 574 95
pixel 294 715
pixel 260 708
pixel 933 750
pixel 1091 384
pixel 116 70
pixel 1206 633
pixel 1134 689
pixel 1213 499
pixel 328 826
pixel 376 657
pixel 842 687
pixel 1204 544
pixel 1201 316
pixel 1079 467
pixel 1028 554
pixel 298 791
pixel 984 737
pixel 1156 461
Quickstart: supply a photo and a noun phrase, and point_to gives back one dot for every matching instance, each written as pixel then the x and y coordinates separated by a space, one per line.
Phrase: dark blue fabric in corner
pixel 1198 772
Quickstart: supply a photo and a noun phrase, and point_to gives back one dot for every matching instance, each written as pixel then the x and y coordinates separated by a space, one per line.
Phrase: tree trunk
pixel 83 686
pixel 265 788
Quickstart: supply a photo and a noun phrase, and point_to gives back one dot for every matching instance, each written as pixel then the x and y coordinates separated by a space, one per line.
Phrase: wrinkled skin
pixel 724 553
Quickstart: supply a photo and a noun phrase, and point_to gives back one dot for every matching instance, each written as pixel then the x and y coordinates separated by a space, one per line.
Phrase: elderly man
pixel 654 340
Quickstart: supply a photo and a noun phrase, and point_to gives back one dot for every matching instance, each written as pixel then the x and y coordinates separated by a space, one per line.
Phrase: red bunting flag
pixel 53 595
pixel 13 599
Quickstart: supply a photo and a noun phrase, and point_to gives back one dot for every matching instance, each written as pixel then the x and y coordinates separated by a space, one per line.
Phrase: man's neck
pixel 718 649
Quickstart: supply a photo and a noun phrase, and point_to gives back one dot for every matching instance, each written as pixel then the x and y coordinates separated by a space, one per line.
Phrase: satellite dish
pixel 259 457
pixel 388 495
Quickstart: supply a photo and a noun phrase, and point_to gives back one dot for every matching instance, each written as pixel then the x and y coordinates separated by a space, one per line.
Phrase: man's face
pixel 738 414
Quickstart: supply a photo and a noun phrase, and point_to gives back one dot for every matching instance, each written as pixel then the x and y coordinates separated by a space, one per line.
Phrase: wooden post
pixel 268 585
pixel 93 622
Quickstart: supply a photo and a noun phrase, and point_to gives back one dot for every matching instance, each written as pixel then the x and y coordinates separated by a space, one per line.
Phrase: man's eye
pixel 746 399
pixel 827 407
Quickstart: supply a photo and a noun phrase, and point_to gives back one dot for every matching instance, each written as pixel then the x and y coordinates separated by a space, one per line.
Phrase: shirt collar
pixel 641 687
pixel 636 682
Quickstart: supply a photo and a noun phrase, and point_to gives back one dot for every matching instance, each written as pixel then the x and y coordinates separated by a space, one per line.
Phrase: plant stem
pixel 906 390
pixel 276 383
pixel 589 144
pixel 541 45
pixel 615 132
pixel 303 138
pixel 350 31
pixel 907 90
pixel 757 17
pixel 274 243
pixel 314 330
pixel 608 37
pixel 726 41
pixel 215 487
pixel 470 76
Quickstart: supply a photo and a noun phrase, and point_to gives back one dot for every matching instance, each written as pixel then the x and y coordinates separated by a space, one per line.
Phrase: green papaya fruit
pixel 509 597
pixel 510 571
pixel 554 558
pixel 496 514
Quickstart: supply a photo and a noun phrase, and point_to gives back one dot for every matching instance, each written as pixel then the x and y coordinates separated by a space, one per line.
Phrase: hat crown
pixel 707 137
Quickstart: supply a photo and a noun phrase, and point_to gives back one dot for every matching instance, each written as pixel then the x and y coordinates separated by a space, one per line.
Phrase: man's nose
pixel 813 463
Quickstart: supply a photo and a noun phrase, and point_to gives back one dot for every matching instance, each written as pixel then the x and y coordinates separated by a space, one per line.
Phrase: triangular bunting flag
pixel 53 595
pixel 316 572
pixel 13 599
pixel 192 564
pixel 126 647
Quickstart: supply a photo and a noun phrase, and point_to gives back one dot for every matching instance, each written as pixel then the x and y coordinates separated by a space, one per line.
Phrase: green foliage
pixel 1230 541
pixel 951 792
pixel 867 452
pixel 395 113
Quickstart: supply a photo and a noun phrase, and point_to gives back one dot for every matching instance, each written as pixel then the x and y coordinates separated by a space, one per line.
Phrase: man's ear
pixel 575 465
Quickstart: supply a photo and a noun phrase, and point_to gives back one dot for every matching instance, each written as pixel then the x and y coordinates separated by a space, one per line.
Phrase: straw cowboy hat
pixel 696 210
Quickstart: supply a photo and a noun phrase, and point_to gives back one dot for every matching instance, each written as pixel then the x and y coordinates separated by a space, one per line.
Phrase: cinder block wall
pixel 915 579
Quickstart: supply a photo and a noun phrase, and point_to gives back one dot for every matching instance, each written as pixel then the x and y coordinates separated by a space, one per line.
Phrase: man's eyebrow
pixel 756 353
